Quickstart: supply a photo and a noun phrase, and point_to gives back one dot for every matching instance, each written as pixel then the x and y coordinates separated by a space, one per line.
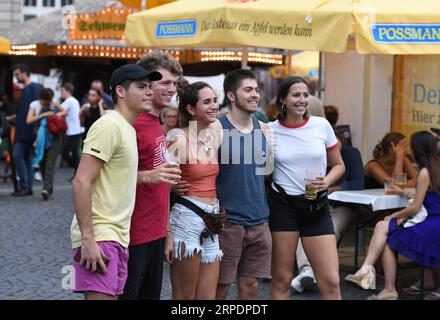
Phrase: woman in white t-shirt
pixel 302 144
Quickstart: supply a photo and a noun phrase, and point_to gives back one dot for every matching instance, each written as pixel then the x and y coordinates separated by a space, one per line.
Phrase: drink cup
pixel 387 184
pixel 310 188
pixel 171 157
pixel 400 180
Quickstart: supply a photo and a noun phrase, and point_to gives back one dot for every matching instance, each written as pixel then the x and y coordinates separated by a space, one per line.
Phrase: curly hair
pixel 161 59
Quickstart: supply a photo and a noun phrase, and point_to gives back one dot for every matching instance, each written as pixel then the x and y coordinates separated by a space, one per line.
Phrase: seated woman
pixel 419 242
pixel 389 158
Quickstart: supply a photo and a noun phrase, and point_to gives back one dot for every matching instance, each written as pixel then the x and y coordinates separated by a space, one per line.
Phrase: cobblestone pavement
pixel 35 249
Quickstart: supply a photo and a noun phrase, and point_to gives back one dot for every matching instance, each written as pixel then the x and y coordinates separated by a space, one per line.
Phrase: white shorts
pixel 186 228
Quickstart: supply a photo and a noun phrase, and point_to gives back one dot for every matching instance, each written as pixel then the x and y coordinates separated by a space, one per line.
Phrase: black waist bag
pixel 214 222
pixel 303 205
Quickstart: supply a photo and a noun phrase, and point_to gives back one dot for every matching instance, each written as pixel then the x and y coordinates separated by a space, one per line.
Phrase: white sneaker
pixel 303 280
pixel 37 176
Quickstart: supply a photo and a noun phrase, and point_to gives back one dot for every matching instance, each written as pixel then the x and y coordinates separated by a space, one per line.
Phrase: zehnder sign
pixel 108 23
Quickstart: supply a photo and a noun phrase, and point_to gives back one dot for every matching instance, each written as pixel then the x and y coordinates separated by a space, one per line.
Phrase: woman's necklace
pixel 206 147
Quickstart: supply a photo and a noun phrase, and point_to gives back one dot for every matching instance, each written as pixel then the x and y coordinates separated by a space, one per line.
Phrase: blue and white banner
pixel 406 33
pixel 184 28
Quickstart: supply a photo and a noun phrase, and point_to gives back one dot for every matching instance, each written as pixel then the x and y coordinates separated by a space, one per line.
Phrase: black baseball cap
pixel 132 71
pixel 436 131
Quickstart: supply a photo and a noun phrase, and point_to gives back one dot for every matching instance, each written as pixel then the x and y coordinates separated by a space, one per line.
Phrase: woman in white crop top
pixel 301 144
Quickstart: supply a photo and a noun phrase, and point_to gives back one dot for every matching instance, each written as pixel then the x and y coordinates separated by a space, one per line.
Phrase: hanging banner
pixel 416 98
pixel 315 25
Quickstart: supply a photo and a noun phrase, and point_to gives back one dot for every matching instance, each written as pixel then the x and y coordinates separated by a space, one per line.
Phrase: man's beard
pixel 241 106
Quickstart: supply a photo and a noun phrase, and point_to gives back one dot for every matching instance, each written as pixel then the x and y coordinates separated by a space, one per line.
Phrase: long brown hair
pixel 384 146
pixel 189 95
pixel 424 149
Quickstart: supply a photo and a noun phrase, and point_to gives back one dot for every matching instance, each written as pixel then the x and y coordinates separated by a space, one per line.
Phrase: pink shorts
pixel 114 281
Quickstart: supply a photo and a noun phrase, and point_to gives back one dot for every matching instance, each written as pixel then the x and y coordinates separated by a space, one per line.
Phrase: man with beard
pixel 25 133
pixel 246 240
pixel 149 238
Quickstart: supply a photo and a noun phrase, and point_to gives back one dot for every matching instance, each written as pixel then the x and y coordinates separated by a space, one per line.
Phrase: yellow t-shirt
pixel 113 140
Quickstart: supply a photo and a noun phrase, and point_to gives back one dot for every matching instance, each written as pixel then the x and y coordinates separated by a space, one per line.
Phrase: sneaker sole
pixel 307 282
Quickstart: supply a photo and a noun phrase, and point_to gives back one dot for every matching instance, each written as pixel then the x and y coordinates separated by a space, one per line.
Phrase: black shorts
pixel 145 271
pixel 284 217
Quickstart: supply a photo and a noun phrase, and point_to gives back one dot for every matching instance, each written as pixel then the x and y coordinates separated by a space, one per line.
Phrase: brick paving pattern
pixel 35 250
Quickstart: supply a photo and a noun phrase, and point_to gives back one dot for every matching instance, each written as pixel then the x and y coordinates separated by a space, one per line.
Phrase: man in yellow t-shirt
pixel 105 186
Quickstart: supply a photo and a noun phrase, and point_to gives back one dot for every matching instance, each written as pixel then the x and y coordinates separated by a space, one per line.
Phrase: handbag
pixel 56 124
pixel 214 222
pixel 304 205
pixel 417 218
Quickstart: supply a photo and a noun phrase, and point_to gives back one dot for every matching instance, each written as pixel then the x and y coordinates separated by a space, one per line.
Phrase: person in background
pixel 389 158
pixel 261 115
pixel 92 110
pixel 431 277
pixel 315 107
pixel 24 133
pixel 392 236
pixel 332 115
pixel 71 150
pixel 107 99
pixel 48 146
pixel 169 118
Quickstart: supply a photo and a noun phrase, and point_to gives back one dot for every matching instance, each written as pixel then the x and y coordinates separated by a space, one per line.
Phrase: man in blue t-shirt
pixel 24 133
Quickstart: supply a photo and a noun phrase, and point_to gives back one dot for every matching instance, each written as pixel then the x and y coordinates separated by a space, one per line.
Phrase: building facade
pixel 15 11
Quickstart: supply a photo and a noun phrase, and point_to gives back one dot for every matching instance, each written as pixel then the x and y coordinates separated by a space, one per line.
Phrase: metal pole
pixel 289 62
pixel 244 58
pixel 321 77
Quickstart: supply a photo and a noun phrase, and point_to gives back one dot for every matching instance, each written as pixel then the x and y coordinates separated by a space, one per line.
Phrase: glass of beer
pixel 310 188
pixel 400 180
pixel 387 184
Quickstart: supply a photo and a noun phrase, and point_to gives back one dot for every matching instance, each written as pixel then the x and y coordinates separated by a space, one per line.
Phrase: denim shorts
pixel 186 227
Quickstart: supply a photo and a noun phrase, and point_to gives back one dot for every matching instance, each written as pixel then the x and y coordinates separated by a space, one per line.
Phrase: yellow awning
pixel 5 46
pixel 315 25
pixel 397 27
pixel 305 63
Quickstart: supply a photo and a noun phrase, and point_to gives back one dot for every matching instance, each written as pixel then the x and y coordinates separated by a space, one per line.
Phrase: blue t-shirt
pixel 240 183
pixel 26 132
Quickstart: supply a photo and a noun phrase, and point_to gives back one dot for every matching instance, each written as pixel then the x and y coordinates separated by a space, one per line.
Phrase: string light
pixel 23 50
pixel 102 51
pixel 257 57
